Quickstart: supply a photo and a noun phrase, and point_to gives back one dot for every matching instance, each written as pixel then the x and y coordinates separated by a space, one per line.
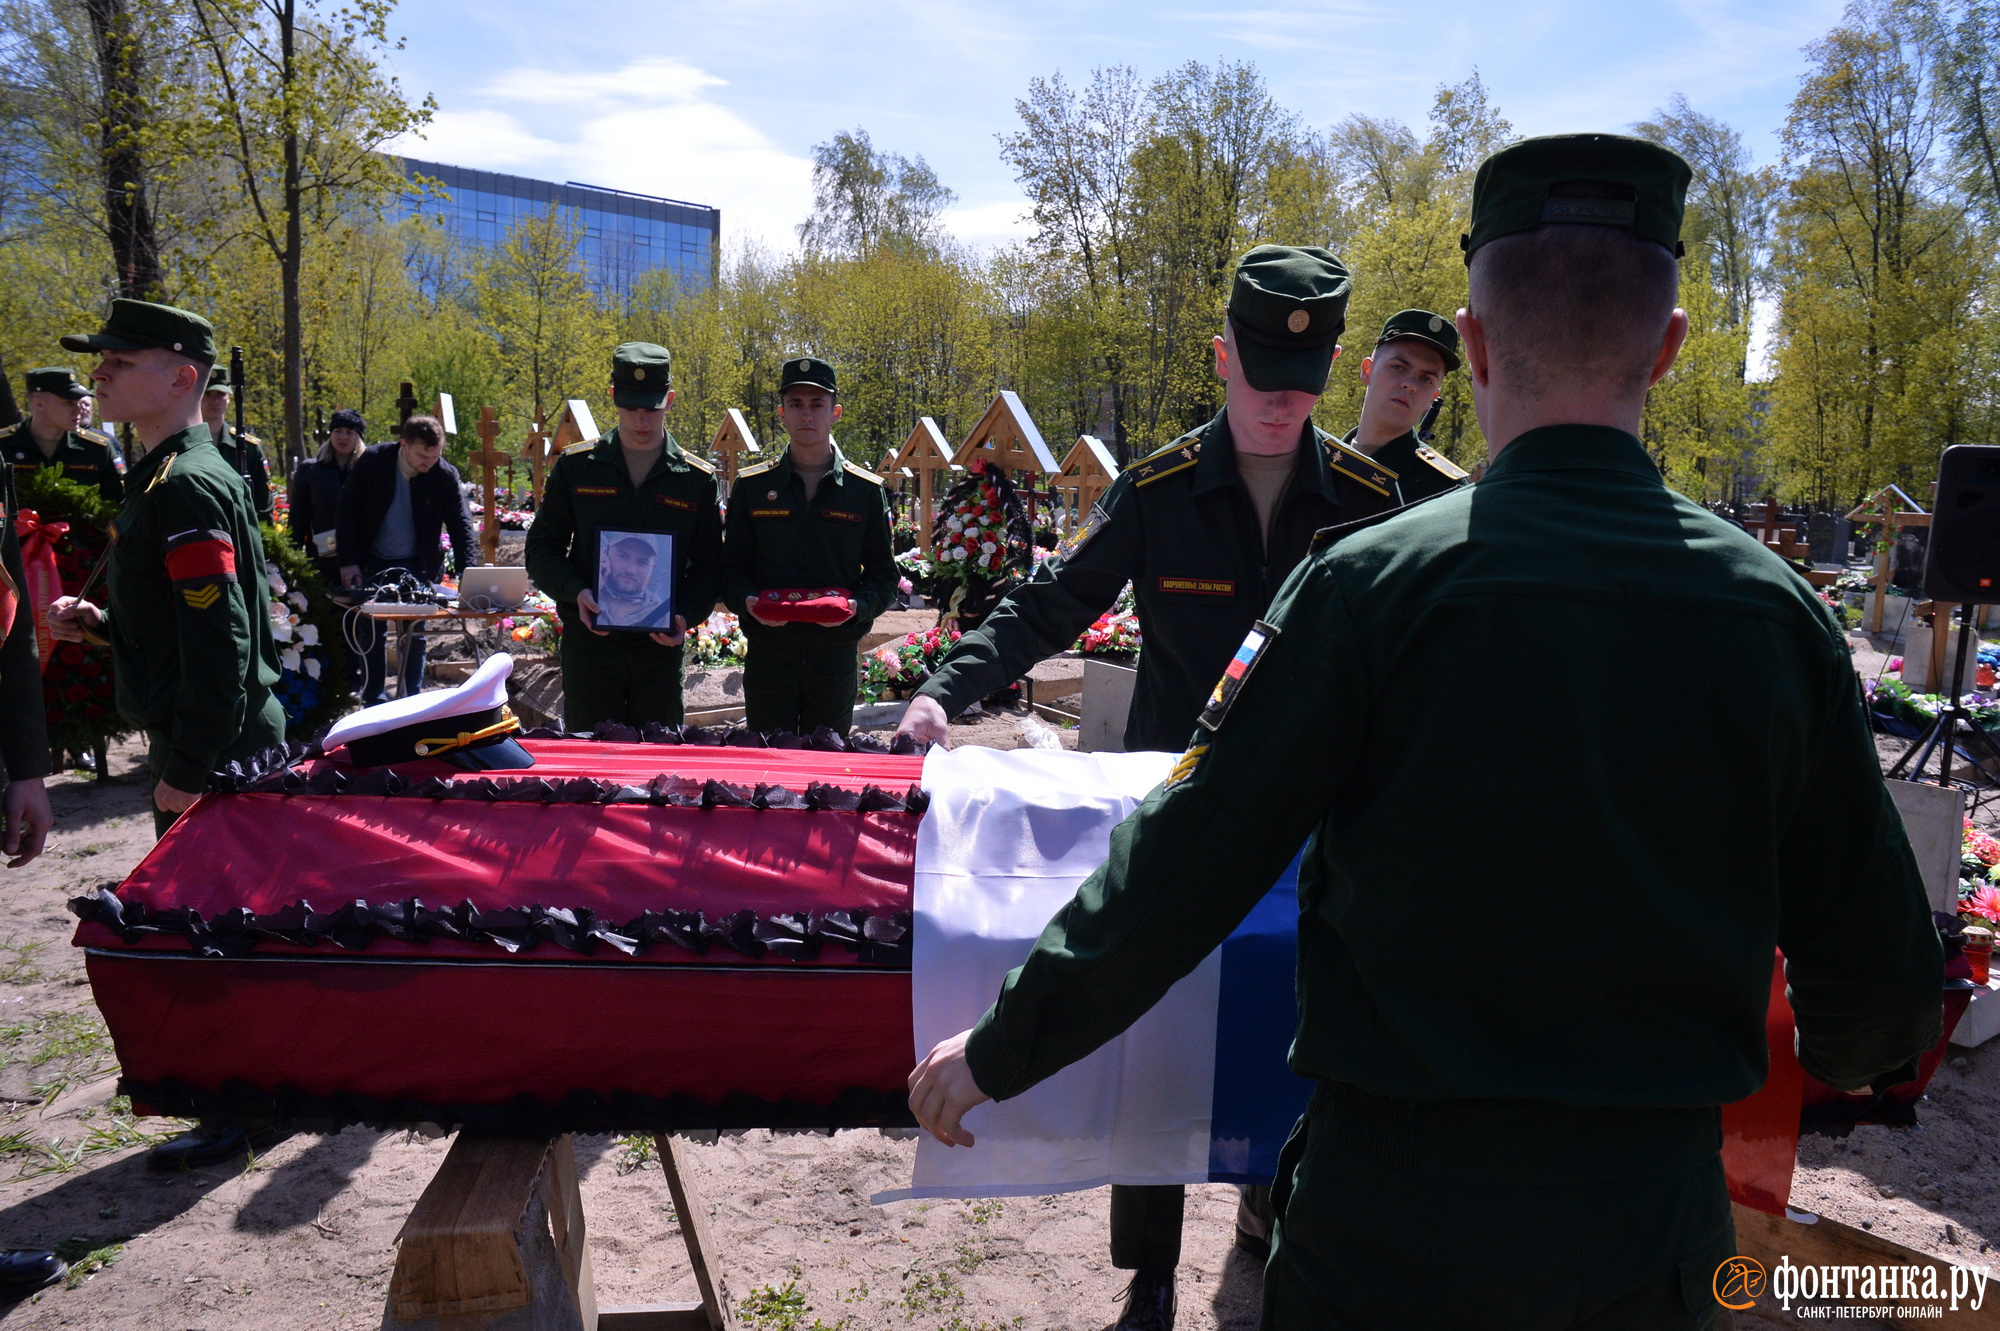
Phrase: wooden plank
pixel 566 1226
pixel 655 1317
pixel 460 1251
pixel 1824 1242
pixel 694 1229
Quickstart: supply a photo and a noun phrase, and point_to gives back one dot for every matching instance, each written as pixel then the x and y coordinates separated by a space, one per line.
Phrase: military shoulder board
pixel 9 431
pixel 863 472
pixel 161 474
pixel 1356 465
pixel 699 464
pixel 1441 464
pixel 94 437
pixel 757 470
pixel 583 447
pixel 1177 456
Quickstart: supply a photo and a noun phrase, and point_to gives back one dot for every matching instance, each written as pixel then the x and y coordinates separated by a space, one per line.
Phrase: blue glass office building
pixel 625 236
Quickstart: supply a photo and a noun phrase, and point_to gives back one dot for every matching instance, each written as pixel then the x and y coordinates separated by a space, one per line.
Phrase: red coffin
pixel 625 937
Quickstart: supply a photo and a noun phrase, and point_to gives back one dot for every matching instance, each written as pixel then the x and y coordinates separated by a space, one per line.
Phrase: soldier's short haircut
pixel 426 430
pixel 1567 303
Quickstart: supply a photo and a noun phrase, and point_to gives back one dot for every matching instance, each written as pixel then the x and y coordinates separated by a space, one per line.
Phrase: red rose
pixel 69 653
pixel 90 668
pixel 92 712
pixel 76 693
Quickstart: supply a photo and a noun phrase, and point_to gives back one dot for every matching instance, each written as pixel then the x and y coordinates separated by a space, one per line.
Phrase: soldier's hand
pixel 942 1090
pixel 587 609
pixel 852 604
pixel 924 721
pixel 28 820
pixel 172 799
pixel 674 639
pixel 767 623
pixel 70 619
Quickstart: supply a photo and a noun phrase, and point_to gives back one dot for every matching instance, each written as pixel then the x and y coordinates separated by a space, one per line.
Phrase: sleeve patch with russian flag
pixel 198 562
pixel 1236 674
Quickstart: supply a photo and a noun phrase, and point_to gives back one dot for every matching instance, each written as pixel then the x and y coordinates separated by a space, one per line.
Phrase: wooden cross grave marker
pixel 1891 510
pixel 1006 437
pixel 489 460
pixel 924 455
pixel 1087 472
pixel 732 440
pixel 1772 532
pixel 406 402
pixel 538 455
pixel 574 426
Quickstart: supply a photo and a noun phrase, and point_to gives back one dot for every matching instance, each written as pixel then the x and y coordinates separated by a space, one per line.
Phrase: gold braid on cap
pixel 507 724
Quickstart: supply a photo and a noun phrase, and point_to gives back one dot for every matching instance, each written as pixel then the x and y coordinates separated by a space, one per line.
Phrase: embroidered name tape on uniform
pixel 1199 586
pixel 684 505
pixel 200 558
pixel 598 491
pixel 770 512
pixel 841 514
pixel 1236 674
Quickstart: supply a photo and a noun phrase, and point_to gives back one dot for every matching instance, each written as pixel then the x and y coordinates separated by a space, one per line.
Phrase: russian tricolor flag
pixel 1197 1091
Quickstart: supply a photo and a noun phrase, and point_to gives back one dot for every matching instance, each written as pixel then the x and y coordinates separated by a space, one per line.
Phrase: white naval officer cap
pixel 469 726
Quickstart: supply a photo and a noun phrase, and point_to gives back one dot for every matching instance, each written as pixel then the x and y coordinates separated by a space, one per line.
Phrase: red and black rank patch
pixel 200 563
pixel 1236 674
pixel 1198 586
pixel 684 505
pixel 840 514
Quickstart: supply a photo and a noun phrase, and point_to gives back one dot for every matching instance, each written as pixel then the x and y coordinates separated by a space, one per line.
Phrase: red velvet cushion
pixel 803 605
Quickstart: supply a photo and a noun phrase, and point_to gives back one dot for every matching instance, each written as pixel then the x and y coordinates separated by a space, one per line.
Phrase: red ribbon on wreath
pixel 44 579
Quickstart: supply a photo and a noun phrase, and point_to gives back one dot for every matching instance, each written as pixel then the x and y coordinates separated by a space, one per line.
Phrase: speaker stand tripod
pixel 1942 734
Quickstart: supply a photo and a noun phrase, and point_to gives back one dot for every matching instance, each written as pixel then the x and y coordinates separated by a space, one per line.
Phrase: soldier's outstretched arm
pixel 1260 773
pixel 1862 956
pixel 1046 614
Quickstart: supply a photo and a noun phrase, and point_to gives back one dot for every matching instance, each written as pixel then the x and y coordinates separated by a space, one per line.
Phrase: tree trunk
pixel 127 214
pixel 294 254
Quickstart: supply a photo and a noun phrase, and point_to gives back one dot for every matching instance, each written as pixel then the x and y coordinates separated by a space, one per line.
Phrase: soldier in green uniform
pixel 243 452
pixel 50 436
pixel 1205 529
pixel 1403 377
pixel 190 639
pixel 636 478
pixel 1649 832
pixel 806 520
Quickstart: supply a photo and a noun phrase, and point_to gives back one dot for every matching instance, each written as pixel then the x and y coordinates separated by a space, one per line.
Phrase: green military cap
pixel 1287 308
pixel 1579 179
pixel 807 370
pixel 641 374
pixel 1423 326
pixel 55 379
pixel 218 380
pixel 135 325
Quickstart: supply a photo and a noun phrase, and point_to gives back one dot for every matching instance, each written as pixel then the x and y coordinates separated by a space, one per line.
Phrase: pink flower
pixel 1984 901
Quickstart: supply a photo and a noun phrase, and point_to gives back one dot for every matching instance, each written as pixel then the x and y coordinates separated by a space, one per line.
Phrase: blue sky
pixel 720 103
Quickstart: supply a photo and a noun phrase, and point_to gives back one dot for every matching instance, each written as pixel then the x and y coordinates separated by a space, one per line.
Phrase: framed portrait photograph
pixel 635 580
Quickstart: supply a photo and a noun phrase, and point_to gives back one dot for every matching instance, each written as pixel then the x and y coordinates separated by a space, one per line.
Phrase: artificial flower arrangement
pixel 1115 635
pixel 312 649
pixel 77 685
pixel 717 643
pixel 982 529
pixel 901 667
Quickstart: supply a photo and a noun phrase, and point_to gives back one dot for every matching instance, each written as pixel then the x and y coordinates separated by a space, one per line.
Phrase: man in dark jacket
pixel 400 499
pixel 314 498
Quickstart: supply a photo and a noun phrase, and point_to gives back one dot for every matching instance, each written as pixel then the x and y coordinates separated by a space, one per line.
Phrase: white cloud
pixel 650 127
pixel 991 224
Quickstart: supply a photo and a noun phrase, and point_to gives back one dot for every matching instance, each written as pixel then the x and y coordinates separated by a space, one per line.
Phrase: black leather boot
pixel 24 1270
pixel 1149 1302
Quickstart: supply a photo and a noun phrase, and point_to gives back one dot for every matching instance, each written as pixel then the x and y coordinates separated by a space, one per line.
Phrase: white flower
pixel 987 547
pixel 954 524
pixel 289 658
pixel 281 630
pixel 297 598
pixel 312 667
pixel 309 635
pixel 957 553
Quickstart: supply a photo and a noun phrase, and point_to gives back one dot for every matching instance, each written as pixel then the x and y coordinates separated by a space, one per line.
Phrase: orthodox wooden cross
pixel 489 460
pixel 1891 510
pixel 1006 437
pixel 538 455
pixel 1086 474
pixel 924 455
pixel 406 402
pixel 732 440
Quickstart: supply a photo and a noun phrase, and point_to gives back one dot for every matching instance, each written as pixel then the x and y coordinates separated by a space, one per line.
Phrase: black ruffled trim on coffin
pixel 664 789
pixel 240 1104
pixel 875 938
